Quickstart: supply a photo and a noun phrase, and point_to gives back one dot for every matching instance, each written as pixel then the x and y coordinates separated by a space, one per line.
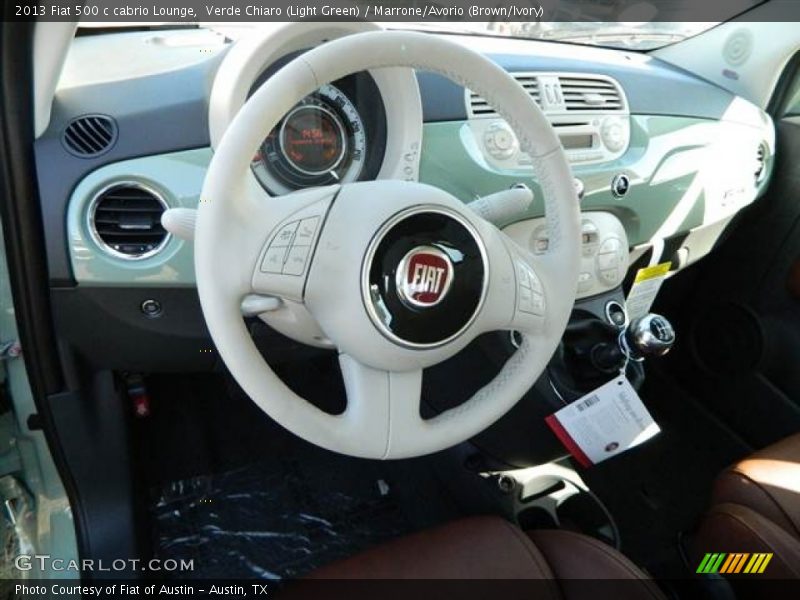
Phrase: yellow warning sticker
pixel 652 272
pixel 645 288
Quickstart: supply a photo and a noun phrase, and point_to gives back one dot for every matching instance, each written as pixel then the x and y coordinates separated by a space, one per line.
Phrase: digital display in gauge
pixel 320 141
pixel 313 139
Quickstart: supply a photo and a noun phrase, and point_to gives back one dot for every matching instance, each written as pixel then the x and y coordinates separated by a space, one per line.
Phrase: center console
pixel 604 249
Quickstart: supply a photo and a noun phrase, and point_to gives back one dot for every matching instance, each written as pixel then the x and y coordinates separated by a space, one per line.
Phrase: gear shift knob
pixel 650 335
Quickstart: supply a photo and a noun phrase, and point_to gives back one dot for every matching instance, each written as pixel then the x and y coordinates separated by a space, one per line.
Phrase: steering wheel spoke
pixel 381 404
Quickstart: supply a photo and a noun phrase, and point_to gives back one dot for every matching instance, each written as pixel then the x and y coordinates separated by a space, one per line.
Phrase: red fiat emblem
pixel 424 276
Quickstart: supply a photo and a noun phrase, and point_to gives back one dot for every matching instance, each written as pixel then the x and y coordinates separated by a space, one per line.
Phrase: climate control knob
pixel 613 134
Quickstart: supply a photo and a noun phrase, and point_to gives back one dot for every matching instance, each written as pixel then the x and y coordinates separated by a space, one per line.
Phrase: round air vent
pixel 90 135
pixel 125 220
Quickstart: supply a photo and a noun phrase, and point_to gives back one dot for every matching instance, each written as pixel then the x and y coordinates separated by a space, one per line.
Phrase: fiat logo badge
pixel 424 277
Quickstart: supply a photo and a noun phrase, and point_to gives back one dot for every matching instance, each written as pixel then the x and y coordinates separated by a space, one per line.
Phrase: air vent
pixel 567 92
pixel 125 220
pixel 761 162
pixel 589 94
pixel 478 107
pixel 90 135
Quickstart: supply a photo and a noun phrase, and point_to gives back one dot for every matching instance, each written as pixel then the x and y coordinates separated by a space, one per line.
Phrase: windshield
pixel 637 25
pixel 631 36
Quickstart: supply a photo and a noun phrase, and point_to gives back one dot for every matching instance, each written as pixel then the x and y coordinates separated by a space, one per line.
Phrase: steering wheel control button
pixel 424 277
pixel 620 185
pixel 530 296
pixel 296 260
pixel 290 248
pixel 285 235
pixel 305 232
pixel 522 275
pixel 274 259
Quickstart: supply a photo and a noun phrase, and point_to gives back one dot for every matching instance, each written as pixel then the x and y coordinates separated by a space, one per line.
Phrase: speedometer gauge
pixel 319 142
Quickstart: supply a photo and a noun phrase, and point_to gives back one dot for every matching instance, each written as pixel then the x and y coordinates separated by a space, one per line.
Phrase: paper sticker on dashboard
pixel 645 288
pixel 605 422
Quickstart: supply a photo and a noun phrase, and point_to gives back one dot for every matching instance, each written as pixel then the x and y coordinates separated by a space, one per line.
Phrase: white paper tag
pixel 645 288
pixel 603 423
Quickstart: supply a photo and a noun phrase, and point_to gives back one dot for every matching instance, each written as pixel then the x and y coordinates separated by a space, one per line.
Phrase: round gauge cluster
pixel 320 141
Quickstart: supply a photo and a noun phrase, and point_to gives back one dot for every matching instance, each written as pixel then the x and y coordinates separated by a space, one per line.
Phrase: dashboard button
pixel 585 281
pixel 611 245
pixel 608 260
pixel 305 232
pixel 284 236
pixel 610 276
pixel 273 260
pixel 296 260
pixel 620 185
pixel 499 141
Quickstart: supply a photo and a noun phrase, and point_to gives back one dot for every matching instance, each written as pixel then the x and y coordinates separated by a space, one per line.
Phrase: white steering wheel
pixel 398 275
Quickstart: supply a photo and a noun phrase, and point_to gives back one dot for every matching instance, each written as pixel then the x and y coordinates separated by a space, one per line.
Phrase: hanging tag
pixel 644 289
pixel 603 423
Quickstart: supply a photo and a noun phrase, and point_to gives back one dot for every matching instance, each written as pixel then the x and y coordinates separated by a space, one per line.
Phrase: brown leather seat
pixel 755 507
pixel 491 548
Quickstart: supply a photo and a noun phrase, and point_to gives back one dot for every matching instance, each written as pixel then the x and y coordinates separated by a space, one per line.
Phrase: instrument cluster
pixel 335 135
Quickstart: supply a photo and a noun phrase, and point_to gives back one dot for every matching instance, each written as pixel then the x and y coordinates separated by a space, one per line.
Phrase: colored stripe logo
pixel 736 562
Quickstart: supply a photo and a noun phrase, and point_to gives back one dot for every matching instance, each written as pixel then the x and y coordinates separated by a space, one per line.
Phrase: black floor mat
pixel 276 519
pixel 243 497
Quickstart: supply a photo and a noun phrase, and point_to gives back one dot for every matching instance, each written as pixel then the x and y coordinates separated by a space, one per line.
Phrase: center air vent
pixel 590 94
pixel 90 135
pixel 125 220
pixel 564 93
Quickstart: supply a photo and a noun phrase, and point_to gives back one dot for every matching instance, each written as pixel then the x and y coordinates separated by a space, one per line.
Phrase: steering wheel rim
pixel 238 224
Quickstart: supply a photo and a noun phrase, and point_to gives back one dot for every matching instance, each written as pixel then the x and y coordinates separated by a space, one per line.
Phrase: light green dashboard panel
pixel 684 173
pixel 179 178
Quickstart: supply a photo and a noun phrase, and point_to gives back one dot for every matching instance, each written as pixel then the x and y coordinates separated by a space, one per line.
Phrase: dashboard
pixel 662 160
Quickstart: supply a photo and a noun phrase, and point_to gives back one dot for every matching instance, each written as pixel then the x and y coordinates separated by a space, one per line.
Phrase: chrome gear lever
pixel 650 335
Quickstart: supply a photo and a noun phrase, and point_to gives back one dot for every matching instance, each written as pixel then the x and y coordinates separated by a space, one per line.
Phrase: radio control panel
pixel 585 139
